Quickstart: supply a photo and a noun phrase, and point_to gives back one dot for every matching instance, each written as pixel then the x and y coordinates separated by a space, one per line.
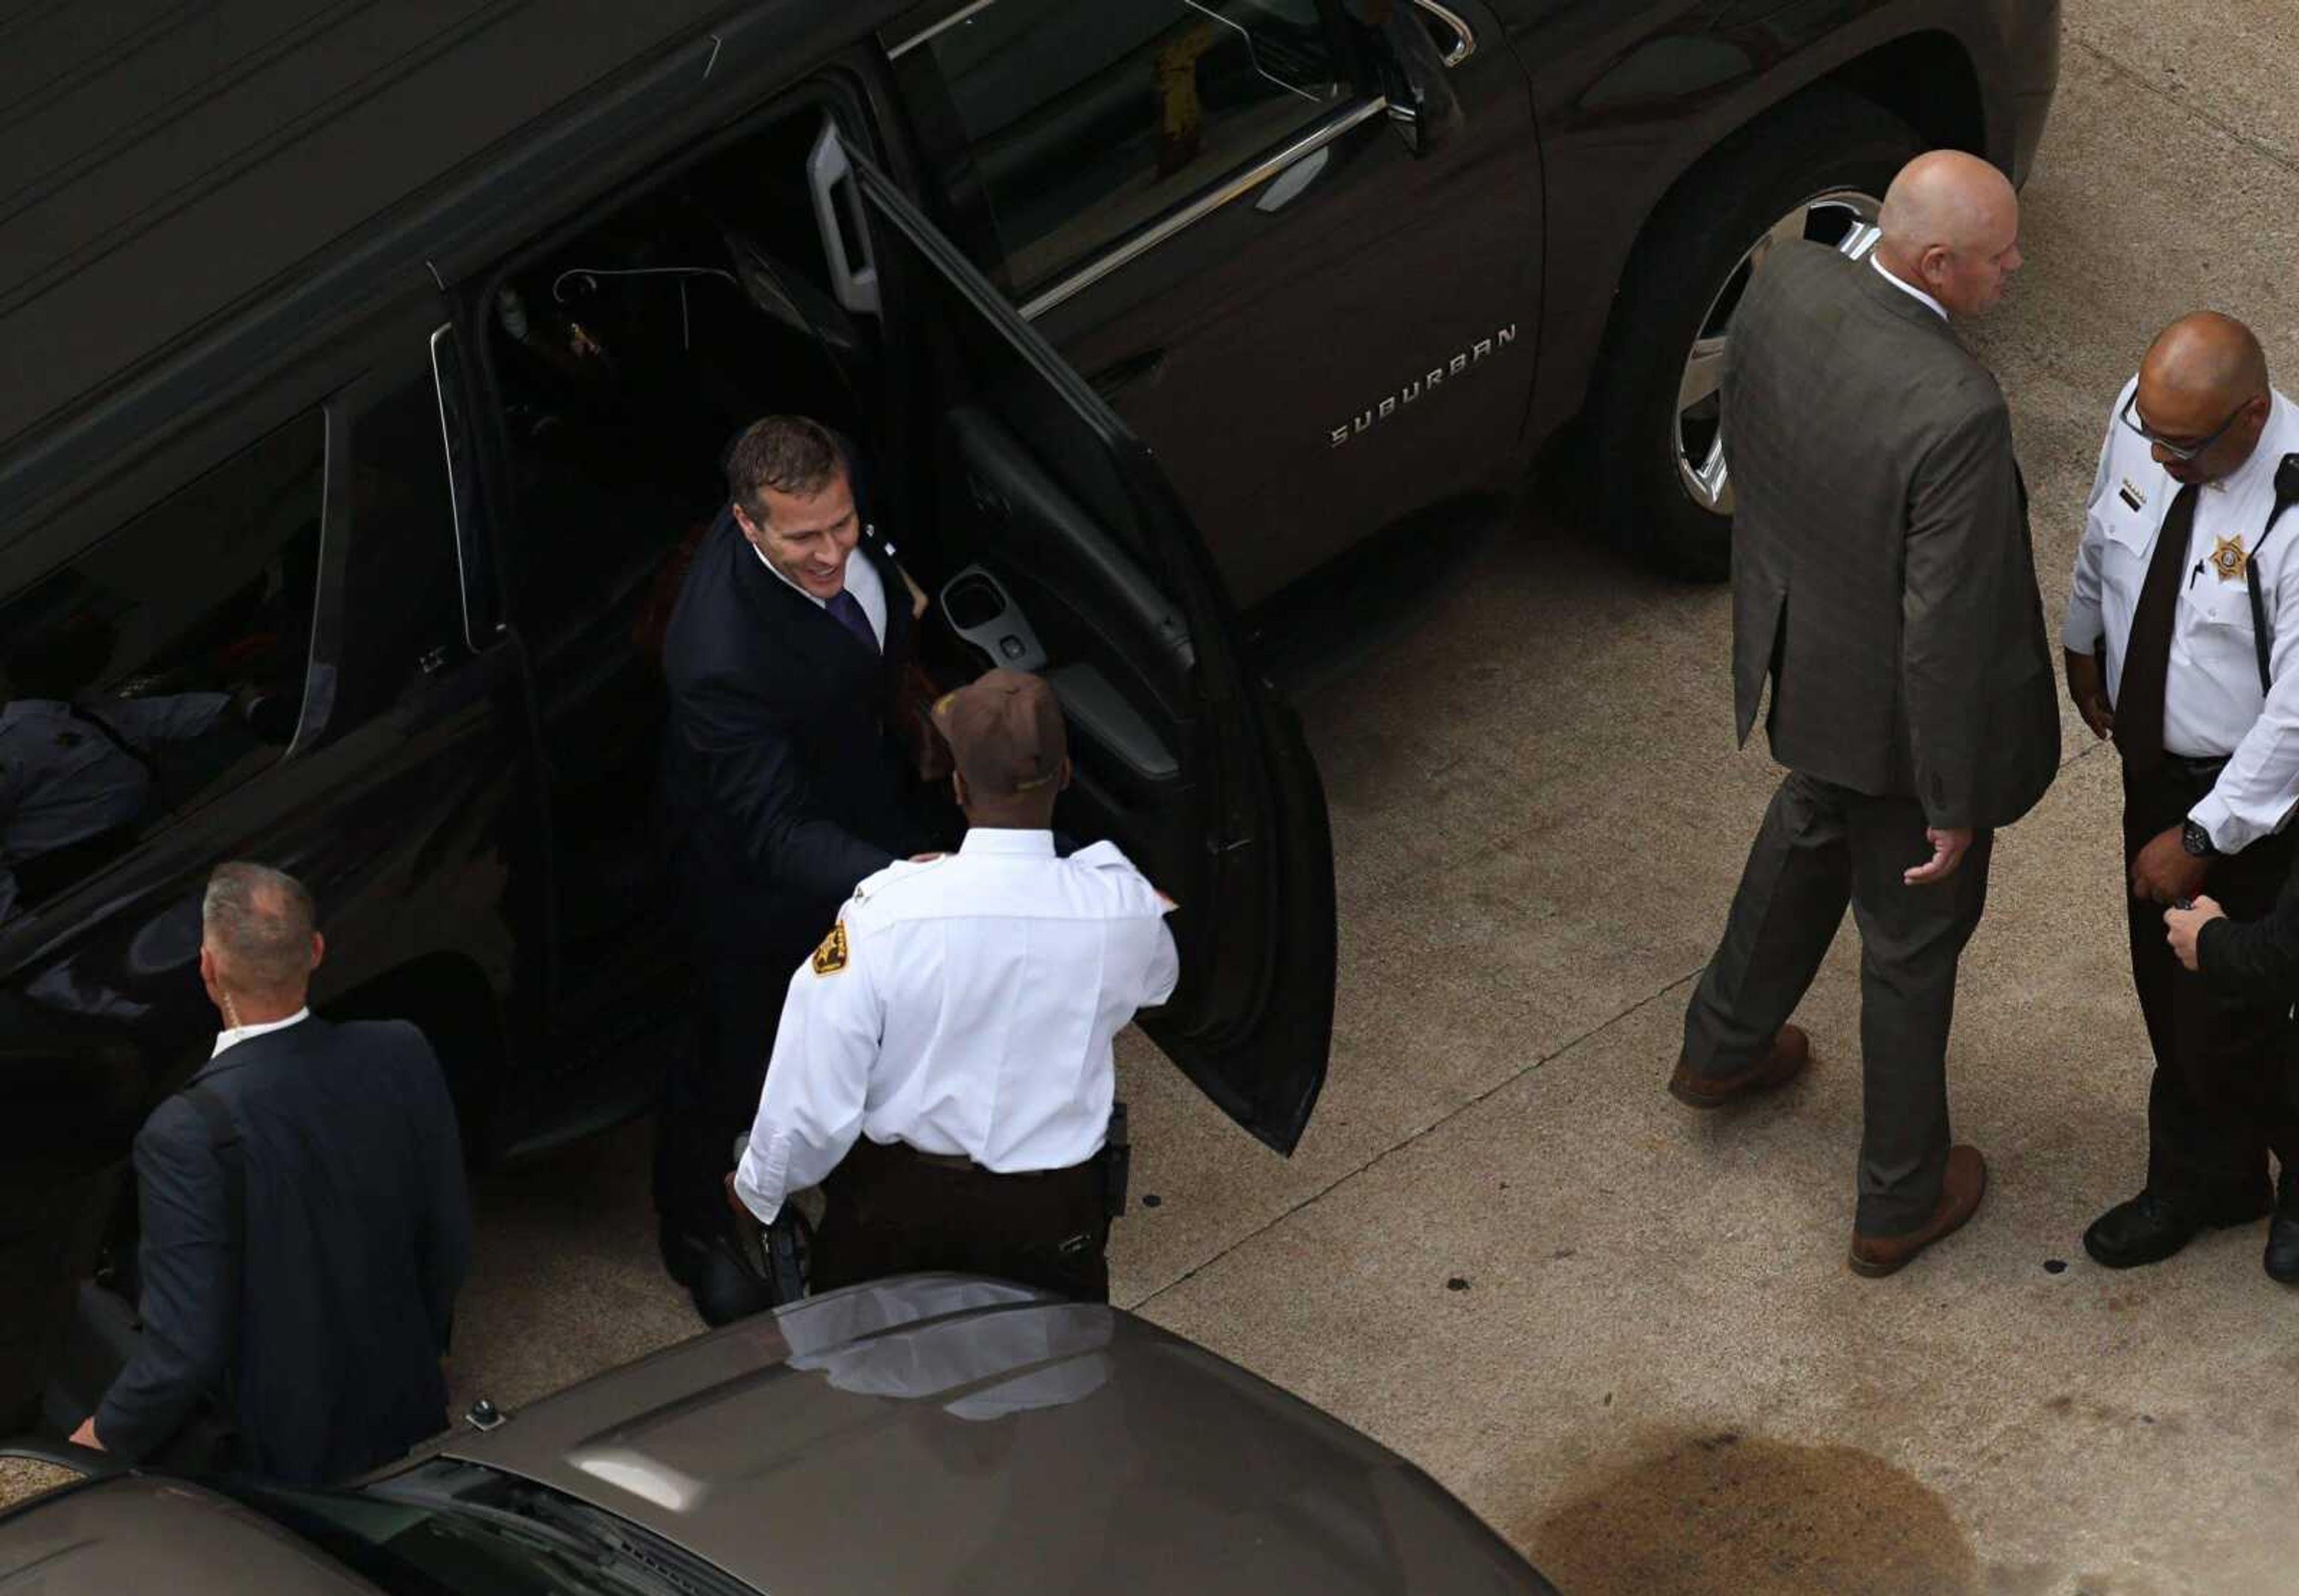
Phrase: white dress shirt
pixel 862 581
pixel 2212 707
pixel 1908 288
pixel 236 1034
pixel 970 1012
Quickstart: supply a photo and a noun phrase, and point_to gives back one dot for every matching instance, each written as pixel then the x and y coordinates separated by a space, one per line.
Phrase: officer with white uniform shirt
pixel 2164 655
pixel 77 769
pixel 943 1065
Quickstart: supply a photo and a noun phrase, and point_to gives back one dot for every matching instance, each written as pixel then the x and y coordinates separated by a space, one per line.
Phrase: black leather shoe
pixel 2282 1258
pixel 2150 1227
pixel 713 1265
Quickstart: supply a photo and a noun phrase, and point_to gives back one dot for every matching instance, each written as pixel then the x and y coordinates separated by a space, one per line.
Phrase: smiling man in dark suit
pixel 784 785
pixel 1884 582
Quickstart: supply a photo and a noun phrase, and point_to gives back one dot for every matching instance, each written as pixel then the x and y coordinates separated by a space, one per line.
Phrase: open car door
pixel 1070 554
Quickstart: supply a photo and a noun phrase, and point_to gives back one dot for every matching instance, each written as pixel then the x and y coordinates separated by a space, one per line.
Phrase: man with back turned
pixel 1885 584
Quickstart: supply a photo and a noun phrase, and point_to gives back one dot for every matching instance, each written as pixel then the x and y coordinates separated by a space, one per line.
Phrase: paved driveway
pixel 1624 1333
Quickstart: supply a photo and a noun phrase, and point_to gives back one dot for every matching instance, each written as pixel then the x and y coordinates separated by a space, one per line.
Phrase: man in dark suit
pixel 784 783
pixel 305 1229
pixel 1885 583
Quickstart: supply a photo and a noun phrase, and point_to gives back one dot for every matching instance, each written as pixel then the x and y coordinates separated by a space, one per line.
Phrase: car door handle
pixel 1144 365
pixel 1290 182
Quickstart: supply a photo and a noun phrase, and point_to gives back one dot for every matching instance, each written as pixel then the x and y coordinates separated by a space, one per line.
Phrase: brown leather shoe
pixel 1782 1063
pixel 1961 1189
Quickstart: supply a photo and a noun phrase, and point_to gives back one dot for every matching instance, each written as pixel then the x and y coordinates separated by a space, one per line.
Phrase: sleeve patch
pixel 830 958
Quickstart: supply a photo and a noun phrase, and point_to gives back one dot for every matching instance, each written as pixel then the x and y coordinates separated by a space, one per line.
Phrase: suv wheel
pixel 1816 169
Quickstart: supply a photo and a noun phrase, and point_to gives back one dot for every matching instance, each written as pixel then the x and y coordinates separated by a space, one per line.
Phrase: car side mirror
pixel 1421 105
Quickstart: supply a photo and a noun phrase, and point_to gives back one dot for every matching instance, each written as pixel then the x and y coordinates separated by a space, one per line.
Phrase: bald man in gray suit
pixel 1885 584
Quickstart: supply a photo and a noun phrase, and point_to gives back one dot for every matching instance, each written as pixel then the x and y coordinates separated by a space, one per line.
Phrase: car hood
pixel 940 1432
pixel 140 1533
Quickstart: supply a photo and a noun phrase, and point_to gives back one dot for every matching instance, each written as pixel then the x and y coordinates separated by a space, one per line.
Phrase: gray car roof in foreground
pixel 940 1432
pixel 936 1433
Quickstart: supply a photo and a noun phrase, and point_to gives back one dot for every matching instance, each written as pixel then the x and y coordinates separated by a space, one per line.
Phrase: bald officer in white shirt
pixel 943 1065
pixel 2185 594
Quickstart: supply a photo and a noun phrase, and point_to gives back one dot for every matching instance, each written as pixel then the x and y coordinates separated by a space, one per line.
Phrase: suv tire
pixel 1817 168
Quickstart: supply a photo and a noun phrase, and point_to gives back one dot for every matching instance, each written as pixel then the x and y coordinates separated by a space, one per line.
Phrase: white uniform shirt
pixel 863 581
pixel 2212 707
pixel 63 781
pixel 965 1006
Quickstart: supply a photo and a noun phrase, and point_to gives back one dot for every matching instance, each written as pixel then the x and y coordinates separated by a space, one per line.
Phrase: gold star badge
pixel 830 958
pixel 2228 559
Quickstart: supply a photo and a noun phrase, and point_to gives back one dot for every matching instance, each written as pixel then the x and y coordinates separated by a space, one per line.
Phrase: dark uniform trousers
pixel 892 1210
pixel 1822 846
pixel 2217 1102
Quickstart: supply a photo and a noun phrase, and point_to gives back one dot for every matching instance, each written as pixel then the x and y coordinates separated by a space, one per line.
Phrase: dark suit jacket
pixel 2255 961
pixel 784 782
pixel 1882 565
pixel 357 1237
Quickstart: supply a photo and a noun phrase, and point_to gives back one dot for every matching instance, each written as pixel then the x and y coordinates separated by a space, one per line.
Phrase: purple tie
pixel 847 611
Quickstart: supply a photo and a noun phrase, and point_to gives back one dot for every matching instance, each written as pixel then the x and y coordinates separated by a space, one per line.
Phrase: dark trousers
pixel 2216 1105
pixel 1820 847
pixel 712 1093
pixel 891 1212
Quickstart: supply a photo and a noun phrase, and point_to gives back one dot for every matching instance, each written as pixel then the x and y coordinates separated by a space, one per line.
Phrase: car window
pixel 160 668
pixel 1085 122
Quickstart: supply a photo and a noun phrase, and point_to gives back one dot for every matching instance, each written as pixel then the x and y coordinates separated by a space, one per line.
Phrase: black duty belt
pixel 959 1163
pixel 2205 768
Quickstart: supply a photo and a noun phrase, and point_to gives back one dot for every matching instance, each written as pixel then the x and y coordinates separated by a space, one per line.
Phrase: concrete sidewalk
pixel 1622 1331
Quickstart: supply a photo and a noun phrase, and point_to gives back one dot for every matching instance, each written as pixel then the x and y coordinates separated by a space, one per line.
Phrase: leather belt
pixel 2205 767
pixel 958 1163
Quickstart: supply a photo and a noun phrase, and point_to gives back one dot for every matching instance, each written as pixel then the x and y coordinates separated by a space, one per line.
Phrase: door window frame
pixel 110 507
pixel 948 155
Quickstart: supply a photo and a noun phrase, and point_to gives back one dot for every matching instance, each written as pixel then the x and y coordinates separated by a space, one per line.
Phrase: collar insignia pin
pixel 2228 559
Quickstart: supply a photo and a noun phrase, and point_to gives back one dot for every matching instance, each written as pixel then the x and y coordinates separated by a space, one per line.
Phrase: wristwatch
pixel 2196 841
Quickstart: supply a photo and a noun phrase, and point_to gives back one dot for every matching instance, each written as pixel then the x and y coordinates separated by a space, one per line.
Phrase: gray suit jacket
pixel 1882 567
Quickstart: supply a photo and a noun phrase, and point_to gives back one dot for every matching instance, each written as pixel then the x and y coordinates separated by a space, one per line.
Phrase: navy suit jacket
pixel 358 1235
pixel 783 781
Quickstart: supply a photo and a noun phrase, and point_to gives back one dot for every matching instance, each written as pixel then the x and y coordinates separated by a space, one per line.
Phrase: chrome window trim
pixel 932 29
pixel 1459 25
pixel 1241 182
pixel 455 484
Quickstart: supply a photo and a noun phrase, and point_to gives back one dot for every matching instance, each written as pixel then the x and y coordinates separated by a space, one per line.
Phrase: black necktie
pixel 2147 653
pixel 846 610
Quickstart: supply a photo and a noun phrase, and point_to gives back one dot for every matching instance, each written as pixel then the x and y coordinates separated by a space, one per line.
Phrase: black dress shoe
pixel 717 1270
pixel 2282 1258
pixel 2150 1227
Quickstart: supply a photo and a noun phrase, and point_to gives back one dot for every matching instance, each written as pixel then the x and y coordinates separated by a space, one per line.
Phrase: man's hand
pixel 2185 927
pixel 86 1434
pixel 735 1199
pixel 2088 687
pixel 2165 872
pixel 1948 846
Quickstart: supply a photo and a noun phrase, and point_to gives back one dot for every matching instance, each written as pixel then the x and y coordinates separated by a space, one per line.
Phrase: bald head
pixel 2203 382
pixel 1951 227
pixel 259 942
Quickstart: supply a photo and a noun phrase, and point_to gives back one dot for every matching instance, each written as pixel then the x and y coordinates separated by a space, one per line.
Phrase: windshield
pixel 445 1529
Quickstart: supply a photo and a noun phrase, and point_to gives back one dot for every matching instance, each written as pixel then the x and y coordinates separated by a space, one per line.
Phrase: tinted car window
pixel 162 667
pixel 1085 122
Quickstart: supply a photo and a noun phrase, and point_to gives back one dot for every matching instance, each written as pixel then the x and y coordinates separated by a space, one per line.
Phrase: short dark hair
pixel 260 922
pixel 791 454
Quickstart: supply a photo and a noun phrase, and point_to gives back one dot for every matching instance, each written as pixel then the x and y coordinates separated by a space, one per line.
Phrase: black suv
pixel 370 365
